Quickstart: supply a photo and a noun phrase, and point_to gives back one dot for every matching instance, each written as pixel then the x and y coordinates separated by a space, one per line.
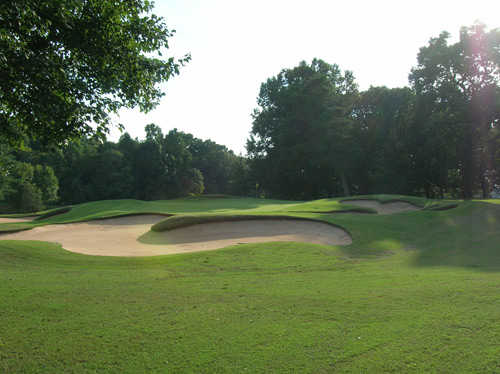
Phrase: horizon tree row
pixel 159 167
pixel 315 135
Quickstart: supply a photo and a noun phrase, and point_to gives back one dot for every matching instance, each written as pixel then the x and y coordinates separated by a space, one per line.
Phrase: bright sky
pixel 236 45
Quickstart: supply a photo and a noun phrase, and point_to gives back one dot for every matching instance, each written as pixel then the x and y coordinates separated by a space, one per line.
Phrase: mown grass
pixel 415 292
pixel 185 220
pixel 186 206
pixel 419 202
pixel 227 205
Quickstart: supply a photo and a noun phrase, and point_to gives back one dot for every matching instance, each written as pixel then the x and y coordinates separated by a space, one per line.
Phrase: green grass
pixel 415 292
pixel 419 202
pixel 185 220
pixel 491 201
pixel 191 205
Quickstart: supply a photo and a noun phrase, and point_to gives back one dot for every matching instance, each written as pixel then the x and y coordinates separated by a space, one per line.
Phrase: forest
pixel 159 167
pixel 314 135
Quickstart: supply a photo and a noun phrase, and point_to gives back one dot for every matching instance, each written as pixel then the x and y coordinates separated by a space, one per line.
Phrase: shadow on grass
pixel 465 237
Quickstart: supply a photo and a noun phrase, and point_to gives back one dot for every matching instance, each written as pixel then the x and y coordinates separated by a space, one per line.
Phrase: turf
pixel 202 205
pixel 185 220
pixel 415 292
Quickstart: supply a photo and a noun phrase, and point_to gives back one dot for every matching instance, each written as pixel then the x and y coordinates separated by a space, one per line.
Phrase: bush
pixel 192 183
pixel 29 198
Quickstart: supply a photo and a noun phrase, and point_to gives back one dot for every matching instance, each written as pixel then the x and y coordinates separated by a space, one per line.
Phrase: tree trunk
pixel 468 163
pixel 345 186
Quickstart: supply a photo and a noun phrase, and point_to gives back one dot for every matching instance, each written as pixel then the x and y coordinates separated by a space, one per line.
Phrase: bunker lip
pixel 119 236
pixel 390 207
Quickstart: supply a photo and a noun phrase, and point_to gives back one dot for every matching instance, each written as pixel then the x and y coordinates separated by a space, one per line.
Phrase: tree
pixel 460 83
pixel 215 162
pixel 28 198
pixel 382 153
pixel 45 179
pixel 6 161
pixel 65 65
pixel 24 195
pixel 300 140
pixel 192 182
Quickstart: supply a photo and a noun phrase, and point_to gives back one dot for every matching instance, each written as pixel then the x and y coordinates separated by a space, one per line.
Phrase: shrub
pixel 29 198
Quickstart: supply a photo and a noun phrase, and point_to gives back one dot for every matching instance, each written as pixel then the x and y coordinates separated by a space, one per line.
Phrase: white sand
pixel 118 236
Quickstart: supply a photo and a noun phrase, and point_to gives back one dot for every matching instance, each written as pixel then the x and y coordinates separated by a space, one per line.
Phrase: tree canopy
pixel 65 65
pixel 458 87
pixel 87 169
pixel 314 135
pixel 299 142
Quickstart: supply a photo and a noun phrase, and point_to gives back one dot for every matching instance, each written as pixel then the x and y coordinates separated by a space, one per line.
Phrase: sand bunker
pixel 16 220
pixel 118 236
pixel 387 208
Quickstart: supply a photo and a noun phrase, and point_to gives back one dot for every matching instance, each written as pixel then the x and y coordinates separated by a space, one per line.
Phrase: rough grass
pixel 415 292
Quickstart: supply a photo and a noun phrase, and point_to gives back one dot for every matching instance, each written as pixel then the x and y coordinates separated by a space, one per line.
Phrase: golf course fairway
pixel 415 291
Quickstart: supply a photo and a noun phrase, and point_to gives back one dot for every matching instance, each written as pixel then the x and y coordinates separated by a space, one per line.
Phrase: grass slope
pixel 415 292
pixel 187 206
pixel 202 205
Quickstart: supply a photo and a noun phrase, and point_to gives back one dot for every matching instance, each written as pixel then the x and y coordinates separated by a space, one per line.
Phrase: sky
pixel 236 45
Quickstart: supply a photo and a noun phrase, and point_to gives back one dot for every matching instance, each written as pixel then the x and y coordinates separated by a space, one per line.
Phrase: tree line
pixel 316 135
pixel 159 167
pixel 66 65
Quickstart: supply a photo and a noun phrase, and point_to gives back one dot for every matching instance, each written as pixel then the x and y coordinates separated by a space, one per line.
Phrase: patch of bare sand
pixel 16 220
pixel 387 208
pixel 118 236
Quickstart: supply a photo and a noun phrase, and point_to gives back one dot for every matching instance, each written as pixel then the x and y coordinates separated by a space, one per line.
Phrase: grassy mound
pixel 419 202
pixel 176 222
pixel 53 212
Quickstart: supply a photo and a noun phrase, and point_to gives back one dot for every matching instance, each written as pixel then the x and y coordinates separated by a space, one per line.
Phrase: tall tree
pixel 45 179
pixel 65 65
pixel 383 158
pixel 300 140
pixel 461 84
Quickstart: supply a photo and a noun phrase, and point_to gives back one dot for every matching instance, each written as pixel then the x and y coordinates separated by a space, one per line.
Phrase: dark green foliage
pixel 458 88
pixel 192 182
pixel 65 64
pixel 45 179
pixel 159 167
pixel 300 141
pixel 28 198
pixel 6 161
pixel 29 186
pixel 313 135
pixel 382 152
